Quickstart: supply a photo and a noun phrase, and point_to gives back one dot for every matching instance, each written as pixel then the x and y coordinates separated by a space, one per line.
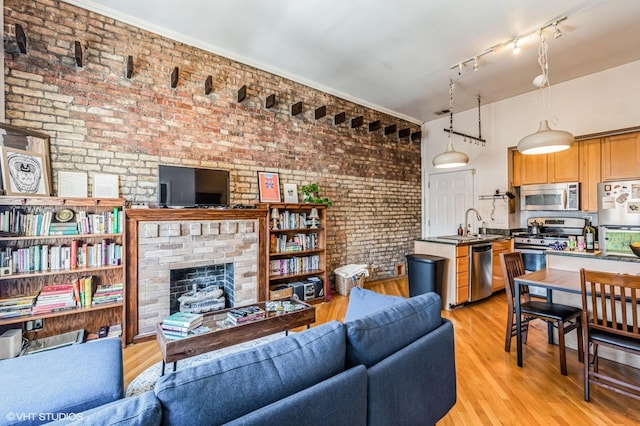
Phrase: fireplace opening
pixel 201 289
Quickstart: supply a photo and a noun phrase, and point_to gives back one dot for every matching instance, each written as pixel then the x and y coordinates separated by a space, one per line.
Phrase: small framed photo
pixel 269 187
pixel 290 193
pixel 24 172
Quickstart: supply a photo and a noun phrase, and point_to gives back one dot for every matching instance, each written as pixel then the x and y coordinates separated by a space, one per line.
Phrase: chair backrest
pixel 513 266
pixel 601 291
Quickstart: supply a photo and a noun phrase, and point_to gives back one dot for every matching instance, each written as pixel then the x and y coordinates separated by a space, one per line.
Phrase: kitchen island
pixel 456 251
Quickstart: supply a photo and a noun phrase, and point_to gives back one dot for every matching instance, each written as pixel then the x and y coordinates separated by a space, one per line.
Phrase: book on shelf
pixel 183 319
pixel 17 306
pixel 55 298
pixel 108 293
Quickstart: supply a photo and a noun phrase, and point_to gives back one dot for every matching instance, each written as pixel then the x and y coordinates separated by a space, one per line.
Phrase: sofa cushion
pixel 362 302
pixel 75 378
pixel 229 387
pixel 141 410
pixel 383 332
pixel 339 400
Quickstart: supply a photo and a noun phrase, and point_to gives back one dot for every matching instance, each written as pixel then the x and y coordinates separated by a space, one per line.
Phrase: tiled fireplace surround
pixel 175 243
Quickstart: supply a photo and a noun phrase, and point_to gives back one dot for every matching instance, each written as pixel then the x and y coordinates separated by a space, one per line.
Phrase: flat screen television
pixel 192 187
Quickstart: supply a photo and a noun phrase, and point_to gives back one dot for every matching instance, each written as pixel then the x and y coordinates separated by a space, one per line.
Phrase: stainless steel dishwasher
pixel 480 267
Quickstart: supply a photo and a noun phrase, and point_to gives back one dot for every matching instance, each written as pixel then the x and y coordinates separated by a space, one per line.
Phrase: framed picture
pixel 27 140
pixel 269 186
pixel 290 193
pixel 24 173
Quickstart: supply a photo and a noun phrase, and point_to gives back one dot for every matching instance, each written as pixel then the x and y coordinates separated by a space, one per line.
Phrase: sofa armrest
pixel 58 382
pixel 417 384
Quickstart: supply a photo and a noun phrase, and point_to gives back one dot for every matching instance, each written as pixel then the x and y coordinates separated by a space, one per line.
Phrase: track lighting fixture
pixel 516 48
pixel 513 43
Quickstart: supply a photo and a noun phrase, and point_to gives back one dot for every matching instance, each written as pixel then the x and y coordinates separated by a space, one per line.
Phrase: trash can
pixel 425 273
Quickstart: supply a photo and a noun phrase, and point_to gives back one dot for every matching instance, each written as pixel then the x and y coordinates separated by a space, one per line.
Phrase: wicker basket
pixel 344 285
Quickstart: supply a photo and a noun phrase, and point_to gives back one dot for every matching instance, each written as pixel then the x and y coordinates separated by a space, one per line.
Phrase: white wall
pixel 607 100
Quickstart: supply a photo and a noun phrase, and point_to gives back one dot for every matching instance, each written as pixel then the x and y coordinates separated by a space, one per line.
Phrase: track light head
pixel 556 31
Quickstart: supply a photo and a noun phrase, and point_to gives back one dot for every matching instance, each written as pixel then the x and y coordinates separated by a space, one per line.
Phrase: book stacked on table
pixel 245 314
pixel 16 306
pixel 107 293
pixel 181 324
pixel 55 298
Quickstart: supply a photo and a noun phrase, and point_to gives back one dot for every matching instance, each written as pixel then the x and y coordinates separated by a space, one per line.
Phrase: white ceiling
pixel 395 55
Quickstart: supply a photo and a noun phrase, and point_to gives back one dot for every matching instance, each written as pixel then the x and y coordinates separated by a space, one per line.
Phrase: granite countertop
pixel 460 241
pixel 595 255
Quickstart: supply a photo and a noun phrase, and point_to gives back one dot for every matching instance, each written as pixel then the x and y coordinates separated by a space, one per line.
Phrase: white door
pixel 450 195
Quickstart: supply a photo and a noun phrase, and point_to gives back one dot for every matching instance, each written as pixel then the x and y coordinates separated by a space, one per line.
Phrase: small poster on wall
pixel 290 193
pixel 72 184
pixel 105 186
pixel 24 172
pixel 269 186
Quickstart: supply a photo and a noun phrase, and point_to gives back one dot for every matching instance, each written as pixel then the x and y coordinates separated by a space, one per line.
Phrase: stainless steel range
pixel 545 233
pixel 550 232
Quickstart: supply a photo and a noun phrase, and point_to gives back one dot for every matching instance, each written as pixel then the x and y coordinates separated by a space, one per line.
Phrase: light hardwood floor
pixel 491 387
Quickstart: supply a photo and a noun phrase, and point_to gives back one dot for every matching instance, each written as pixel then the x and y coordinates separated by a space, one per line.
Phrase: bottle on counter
pixel 460 230
pixel 589 237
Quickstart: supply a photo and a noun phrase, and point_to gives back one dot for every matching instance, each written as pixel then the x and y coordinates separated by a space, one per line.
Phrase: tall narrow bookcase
pixel 34 249
pixel 297 252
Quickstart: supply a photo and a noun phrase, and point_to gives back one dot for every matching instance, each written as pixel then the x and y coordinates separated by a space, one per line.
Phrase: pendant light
pixel 450 158
pixel 545 140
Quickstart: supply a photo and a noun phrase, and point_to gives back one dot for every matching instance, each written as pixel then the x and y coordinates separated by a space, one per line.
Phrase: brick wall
pixel 102 122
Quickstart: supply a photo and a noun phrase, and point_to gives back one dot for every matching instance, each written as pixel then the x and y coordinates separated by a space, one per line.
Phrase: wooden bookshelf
pixel 33 278
pixel 297 250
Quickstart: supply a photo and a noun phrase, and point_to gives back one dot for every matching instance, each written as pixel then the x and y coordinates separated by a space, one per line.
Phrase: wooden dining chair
pixel 608 322
pixel 565 318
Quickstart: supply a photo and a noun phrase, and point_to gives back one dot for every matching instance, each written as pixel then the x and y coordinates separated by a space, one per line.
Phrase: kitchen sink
pixel 472 237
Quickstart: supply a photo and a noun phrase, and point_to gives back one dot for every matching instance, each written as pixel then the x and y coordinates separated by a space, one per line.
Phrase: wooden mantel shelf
pixel 152 215
pixel 135 217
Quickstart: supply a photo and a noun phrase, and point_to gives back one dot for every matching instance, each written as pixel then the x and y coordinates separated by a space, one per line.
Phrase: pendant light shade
pixel 545 140
pixel 450 158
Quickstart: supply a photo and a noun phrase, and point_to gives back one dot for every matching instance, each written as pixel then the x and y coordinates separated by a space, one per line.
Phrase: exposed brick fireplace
pixel 187 283
pixel 207 245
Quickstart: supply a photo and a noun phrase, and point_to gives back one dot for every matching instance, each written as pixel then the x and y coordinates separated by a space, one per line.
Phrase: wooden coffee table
pixel 223 334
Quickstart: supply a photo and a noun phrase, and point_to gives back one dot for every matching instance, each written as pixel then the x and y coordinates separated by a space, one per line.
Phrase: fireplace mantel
pixel 136 216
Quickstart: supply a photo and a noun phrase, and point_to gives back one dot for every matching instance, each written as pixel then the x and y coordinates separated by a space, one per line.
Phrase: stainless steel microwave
pixel 550 196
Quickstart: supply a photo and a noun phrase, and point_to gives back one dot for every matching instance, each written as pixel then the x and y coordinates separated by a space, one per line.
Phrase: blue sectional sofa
pixel 390 363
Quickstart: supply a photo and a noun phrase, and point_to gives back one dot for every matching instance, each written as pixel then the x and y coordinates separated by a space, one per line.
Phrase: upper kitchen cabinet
pixel 590 174
pixel 621 157
pixel 561 166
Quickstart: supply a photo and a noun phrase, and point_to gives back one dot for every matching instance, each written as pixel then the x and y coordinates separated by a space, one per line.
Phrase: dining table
pixel 549 279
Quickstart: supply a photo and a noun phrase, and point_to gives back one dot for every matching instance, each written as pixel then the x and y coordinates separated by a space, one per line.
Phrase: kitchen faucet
pixel 466 219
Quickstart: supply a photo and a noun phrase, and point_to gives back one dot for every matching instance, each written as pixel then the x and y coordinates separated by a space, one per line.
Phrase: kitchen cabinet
pixel 462 274
pixel 564 166
pixel 529 169
pixel 590 174
pixel 560 166
pixel 621 157
pixel 497 278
